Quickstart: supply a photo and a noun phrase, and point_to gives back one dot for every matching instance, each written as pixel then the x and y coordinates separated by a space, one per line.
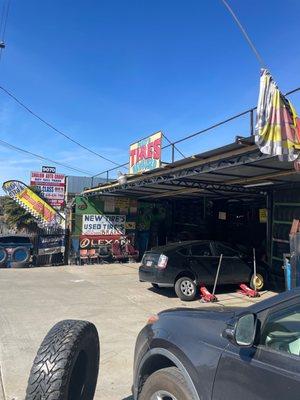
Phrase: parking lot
pixel 110 296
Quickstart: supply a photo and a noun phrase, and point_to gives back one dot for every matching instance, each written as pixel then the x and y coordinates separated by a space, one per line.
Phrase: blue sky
pixel 110 72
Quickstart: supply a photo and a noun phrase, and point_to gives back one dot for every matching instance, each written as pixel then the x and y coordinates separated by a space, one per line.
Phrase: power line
pixel 3 24
pixel 243 30
pixel 11 146
pixel 2 18
pixel 5 19
pixel 175 147
pixel 53 127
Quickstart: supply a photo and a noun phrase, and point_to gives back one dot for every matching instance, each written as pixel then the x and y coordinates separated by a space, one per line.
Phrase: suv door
pixel 203 263
pixel 234 269
pixel 270 370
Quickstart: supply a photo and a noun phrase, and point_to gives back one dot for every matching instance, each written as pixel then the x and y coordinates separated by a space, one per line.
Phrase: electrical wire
pixel 2 18
pixel 20 150
pixel 243 30
pixel 53 127
pixel 5 19
pixel 175 147
pixel 3 24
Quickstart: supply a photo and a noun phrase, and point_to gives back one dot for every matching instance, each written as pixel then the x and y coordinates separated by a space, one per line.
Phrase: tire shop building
pixel 233 194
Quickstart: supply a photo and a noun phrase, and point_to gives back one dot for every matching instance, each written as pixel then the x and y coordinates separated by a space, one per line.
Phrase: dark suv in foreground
pixel 210 353
pixel 221 354
pixel 186 265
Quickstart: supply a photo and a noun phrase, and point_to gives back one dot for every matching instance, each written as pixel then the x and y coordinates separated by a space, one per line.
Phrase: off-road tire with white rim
pixel 166 384
pixel 260 281
pixel 185 288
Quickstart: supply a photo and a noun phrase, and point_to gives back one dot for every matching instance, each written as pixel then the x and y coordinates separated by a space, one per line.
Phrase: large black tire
pixel 186 289
pixel 168 383
pixel 67 363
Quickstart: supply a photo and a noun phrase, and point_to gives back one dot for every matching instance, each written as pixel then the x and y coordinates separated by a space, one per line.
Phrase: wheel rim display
pixel 2 255
pixel 187 288
pixel 258 282
pixel 20 255
pixel 162 395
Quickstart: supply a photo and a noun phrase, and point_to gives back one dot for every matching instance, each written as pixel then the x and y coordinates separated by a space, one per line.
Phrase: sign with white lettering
pixel 51 185
pixel 110 225
pixel 49 169
pixel 145 154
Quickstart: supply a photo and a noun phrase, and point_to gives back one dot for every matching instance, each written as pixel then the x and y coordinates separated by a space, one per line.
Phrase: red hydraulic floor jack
pixel 206 296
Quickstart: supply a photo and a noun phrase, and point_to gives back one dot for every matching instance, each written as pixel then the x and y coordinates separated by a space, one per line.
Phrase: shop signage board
pixel 263 215
pixel 51 244
pixel 48 169
pixel 89 205
pixel 32 203
pixel 104 225
pixel 146 154
pixel 94 241
pixel 51 185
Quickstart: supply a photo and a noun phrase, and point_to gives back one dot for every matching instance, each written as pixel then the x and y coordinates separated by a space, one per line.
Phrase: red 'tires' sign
pixel 146 154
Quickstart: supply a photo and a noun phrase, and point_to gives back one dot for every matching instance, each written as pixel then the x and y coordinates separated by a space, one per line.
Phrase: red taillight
pixel 162 261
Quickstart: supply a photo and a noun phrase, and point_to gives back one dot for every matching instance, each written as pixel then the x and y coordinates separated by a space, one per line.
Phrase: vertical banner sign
pixel 32 203
pixel 51 185
pixel 145 154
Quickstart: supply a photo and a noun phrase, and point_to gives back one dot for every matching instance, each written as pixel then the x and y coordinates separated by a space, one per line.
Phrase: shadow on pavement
pixel 167 292
pixel 128 398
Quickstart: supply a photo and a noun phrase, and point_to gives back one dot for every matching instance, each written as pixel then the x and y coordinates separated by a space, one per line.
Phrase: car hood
pixel 196 325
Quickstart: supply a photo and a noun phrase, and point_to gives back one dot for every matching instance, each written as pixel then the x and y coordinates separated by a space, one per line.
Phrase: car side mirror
pixel 244 331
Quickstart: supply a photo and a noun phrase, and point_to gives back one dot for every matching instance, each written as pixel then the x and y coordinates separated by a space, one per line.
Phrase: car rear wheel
pixel 257 282
pixel 166 384
pixel 185 289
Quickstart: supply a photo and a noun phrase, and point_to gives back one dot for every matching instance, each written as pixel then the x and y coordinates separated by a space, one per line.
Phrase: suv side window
pixel 282 331
pixel 226 251
pixel 202 249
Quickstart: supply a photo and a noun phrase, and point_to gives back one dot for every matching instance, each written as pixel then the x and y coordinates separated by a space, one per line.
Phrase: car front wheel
pixel 185 289
pixel 166 384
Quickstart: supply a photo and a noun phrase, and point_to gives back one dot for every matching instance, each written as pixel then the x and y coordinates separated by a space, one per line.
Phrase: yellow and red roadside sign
pixel 32 202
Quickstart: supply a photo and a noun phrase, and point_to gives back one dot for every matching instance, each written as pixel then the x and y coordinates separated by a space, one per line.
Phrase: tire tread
pixel 49 373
